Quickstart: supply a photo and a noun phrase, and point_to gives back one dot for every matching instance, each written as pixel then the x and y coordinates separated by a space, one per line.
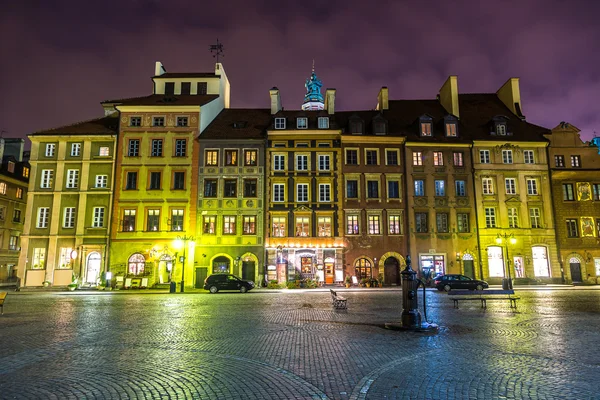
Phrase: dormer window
pixel 426 128
pixel 451 129
pixel 201 88
pixel 379 126
pixel 279 123
pixel 186 87
pixel 169 88
pixel 302 123
pixel 501 129
pixel 356 127
pixel 323 122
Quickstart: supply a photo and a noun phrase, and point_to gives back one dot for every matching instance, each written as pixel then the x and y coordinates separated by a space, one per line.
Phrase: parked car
pixel 455 281
pixel 217 282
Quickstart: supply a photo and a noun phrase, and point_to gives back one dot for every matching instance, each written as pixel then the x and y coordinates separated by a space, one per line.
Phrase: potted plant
pixel 380 280
pixel 348 281
pixel 73 285
pixel 46 283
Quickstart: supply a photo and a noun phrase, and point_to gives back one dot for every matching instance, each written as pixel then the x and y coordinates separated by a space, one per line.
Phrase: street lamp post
pixel 505 239
pixel 179 242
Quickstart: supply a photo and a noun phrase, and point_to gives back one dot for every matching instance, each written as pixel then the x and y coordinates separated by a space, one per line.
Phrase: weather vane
pixel 217 49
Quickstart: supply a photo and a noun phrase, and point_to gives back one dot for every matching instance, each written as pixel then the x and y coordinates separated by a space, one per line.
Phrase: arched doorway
pixel 165 268
pixel 221 265
pixel 136 264
pixel 468 265
pixel 575 266
pixel 92 269
pixel 391 268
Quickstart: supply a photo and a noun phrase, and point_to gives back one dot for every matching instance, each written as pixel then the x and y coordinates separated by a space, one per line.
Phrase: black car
pixel 455 281
pixel 217 282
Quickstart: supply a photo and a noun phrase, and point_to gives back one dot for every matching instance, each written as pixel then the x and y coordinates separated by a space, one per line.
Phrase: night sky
pixel 60 59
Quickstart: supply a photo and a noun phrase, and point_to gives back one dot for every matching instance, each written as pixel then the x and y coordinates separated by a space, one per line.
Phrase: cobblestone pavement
pixel 293 345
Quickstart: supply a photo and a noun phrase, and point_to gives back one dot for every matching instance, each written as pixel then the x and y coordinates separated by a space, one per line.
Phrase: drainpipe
pixel 476 214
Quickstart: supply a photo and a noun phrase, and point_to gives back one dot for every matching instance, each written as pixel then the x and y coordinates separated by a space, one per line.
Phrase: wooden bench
pixel 2 298
pixel 484 296
pixel 338 302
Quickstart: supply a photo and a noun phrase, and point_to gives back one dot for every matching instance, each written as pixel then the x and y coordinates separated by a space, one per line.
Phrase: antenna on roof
pixel 217 49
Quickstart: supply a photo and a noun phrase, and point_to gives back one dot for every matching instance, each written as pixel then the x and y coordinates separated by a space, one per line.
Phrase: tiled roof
pixel 166 100
pixel 239 123
pixel 100 126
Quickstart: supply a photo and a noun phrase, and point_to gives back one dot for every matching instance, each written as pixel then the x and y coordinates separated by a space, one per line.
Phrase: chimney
pixel 275 101
pixel 330 101
pixel 159 69
pixel 510 94
pixel 383 99
pixel 449 95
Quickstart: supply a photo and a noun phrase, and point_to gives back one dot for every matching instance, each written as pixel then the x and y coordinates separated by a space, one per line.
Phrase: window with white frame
pixel 535 217
pixel 279 123
pixel 278 192
pixel 104 151
pixel 324 226
pixel 490 217
pixel 324 192
pixel 507 156
pixel 38 258
pixel 98 217
pixel 279 227
pixel 75 149
pixel 69 217
pixel 371 157
pixel 323 122
pixel 133 148
pixel 532 188
pixel 180 147
pixel 487 185
pixel 394 225
pixel 12 242
pixel 101 181
pixel 72 178
pixel 43 215
pixel 156 149
pixel 511 185
pixel 302 123
pixel 528 157
pixel 374 225
pixel 249 227
pixel 513 218
pixel 302 192
pixel 462 222
pixel 568 192
pixel 484 156
pixel 158 121
pixel 559 161
pixel 302 226
pixel 209 224
pixel 64 260
pixel 182 121
pixel 46 179
pixel 324 162
pixel 301 162
pixel 50 149
pixel 417 158
pixel 135 121
pixel 279 162
pixel 501 129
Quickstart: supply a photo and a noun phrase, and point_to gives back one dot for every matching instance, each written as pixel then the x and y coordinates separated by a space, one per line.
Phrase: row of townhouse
pixel 175 186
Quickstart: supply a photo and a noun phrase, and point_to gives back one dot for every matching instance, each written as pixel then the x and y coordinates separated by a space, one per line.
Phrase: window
pixel 352 189
pixel 374 225
pixel 39 257
pixel 356 127
pixel 302 192
pixel 279 162
pixel 559 161
pixel 180 147
pixel 75 149
pixel 98 217
pixel 301 162
pixel 211 157
pixel 131 183
pixel 507 156
pixel 133 149
pixel 351 157
pixel 438 158
pixel 129 220
pixel 12 242
pixel 352 225
pixel 231 157
pixel 250 187
pixel 419 188
pixel 209 224
pixel 154 181
pixel 462 222
pixel 201 88
pixel 484 156
pixel 393 190
pixel 323 122
pixel 461 188
pixel 440 188
pixel 11 167
pixel 104 151
pixel 510 185
pixel 278 192
pixel 487 185
pixel 513 218
pixel 279 123
pixel 157 148
pixel 394 225
pixel 136 264
pixel 19 193
pixel 158 121
pixel 279 227
pixel 417 158
pixel 230 188
pixel 302 226
pixel 135 121
pixel 302 123
pixel 501 129
pixel 324 192
pixel 324 163
pixel 324 226
pixel 169 88
pixel 2 188
pixel 528 157
pixel 250 157
pixel 451 130
pixel 25 172
pixel 279 144
pixel 441 220
pixel 179 180
pixel 391 157
pixel 425 128
pixel 101 181
pixel 572 228
pixel 373 189
pixel 534 217
pixel 568 194
pixel 458 159
pixel 46 179
pixel 596 191
pixel 153 219
pixel 249 227
pixel 532 187
pixel 186 88
pixel 176 221
pixel 182 121
pixel 229 224
pixel 575 161
pixel 490 217
pixel 371 157
pixel 50 149
pixel 421 222
pixel 16 215
pixel 72 178
pixel 210 188
pixel 69 217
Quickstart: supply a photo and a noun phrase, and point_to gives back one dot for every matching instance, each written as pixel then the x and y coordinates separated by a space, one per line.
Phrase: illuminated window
pixel 2 188
pixel 231 157
pixel 302 226
pixel 461 188
pixel 19 193
pixel 575 161
pixel 209 224
pixel 352 227
pixel 438 158
pixel 451 130
pixel 279 227
pixel 458 159
pixel 374 224
pixel 417 158
pixel 394 225
pixel 211 158
pixel 250 157
pixel 487 185
pixel 425 128
pixel 38 258
pixel 440 188
pixel 177 219
pixel 249 225
pixel 104 151
pixel 25 172
pixel 559 161
pixel 229 222
pixel 129 220
pixel 136 264
pixel 324 226
pixel 419 188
